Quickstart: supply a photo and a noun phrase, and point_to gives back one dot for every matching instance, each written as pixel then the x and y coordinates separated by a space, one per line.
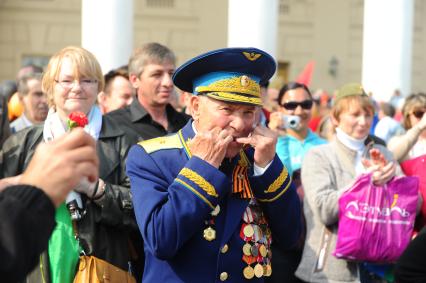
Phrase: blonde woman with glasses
pixel 105 222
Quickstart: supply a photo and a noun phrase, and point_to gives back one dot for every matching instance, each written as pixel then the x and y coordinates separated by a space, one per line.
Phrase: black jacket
pixel 411 266
pixel 24 211
pixel 108 223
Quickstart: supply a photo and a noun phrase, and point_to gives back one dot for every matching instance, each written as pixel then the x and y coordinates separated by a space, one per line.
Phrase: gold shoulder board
pixel 166 142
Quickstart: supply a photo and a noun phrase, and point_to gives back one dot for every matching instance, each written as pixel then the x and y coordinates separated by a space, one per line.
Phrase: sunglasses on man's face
pixel 292 105
pixel 418 113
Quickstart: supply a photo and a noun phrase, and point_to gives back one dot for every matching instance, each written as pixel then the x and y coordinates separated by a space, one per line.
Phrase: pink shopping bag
pixel 376 222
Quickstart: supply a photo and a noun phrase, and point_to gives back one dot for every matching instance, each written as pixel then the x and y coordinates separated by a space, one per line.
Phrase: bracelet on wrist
pixel 100 191
pixel 95 190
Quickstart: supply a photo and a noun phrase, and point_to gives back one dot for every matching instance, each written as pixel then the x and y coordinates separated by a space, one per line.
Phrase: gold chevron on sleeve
pixel 198 194
pixel 165 142
pixel 278 181
pixel 199 180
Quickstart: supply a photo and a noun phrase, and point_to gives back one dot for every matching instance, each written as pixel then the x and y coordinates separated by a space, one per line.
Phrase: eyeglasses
pixel 418 113
pixel 292 105
pixel 69 84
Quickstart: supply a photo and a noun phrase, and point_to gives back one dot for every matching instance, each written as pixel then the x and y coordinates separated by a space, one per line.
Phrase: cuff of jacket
pixel 204 180
pixel 34 199
pixel 273 183
pixel 34 203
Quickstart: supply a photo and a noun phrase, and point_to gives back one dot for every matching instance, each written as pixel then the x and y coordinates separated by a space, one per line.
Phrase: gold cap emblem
pixel 245 81
pixel 252 56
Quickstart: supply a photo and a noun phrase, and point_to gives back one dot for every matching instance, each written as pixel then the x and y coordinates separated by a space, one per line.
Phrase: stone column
pixel 107 31
pixel 387 47
pixel 253 23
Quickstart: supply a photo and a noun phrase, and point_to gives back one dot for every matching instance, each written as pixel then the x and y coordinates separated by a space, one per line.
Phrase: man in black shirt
pixel 151 115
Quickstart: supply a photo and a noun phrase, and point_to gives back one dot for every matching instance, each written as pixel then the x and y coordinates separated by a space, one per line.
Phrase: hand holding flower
pixel 90 189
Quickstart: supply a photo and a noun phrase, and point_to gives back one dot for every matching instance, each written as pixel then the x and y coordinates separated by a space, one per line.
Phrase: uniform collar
pixel 185 135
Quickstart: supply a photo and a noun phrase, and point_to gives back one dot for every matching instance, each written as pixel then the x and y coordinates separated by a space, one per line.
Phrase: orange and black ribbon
pixel 241 184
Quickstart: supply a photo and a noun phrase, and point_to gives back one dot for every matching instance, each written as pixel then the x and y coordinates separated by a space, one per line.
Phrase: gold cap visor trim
pixel 234 97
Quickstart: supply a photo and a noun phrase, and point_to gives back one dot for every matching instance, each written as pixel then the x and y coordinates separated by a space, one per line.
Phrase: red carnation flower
pixel 77 119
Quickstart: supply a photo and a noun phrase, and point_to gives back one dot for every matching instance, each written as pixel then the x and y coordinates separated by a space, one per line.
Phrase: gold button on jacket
pixel 223 276
pixel 224 249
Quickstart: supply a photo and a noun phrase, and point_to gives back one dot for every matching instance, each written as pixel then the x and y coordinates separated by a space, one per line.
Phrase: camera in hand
pixel 74 205
pixel 74 210
pixel 291 122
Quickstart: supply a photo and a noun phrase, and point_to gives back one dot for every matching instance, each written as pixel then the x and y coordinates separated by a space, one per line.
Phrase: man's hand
pixel 9 181
pixel 211 146
pixel 264 141
pixel 58 166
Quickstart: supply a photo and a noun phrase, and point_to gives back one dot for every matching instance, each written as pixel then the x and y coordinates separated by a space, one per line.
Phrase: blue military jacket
pixel 174 194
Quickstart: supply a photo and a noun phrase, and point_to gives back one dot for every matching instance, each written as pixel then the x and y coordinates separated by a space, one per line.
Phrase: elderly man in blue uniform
pixel 210 199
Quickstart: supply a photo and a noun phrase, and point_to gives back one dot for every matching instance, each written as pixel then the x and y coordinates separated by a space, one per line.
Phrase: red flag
pixel 305 76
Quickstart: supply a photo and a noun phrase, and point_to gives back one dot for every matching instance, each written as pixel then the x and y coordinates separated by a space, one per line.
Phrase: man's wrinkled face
pixel 35 102
pixel 237 118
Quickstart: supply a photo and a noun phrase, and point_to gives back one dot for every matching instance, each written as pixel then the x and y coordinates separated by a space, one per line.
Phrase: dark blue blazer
pixel 175 192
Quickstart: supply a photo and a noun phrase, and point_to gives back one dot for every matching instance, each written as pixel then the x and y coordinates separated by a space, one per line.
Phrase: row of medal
pixel 257 237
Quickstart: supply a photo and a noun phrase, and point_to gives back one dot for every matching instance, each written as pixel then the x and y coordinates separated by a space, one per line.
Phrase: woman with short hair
pixel 327 171
pixel 105 221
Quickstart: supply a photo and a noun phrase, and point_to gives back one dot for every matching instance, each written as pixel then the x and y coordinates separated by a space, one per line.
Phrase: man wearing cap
pixel 210 199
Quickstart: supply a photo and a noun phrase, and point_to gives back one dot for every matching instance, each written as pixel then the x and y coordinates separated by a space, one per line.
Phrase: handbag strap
pixel 77 236
pixel 322 255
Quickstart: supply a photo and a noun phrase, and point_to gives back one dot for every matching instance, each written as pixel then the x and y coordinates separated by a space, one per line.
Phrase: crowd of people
pixel 194 173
